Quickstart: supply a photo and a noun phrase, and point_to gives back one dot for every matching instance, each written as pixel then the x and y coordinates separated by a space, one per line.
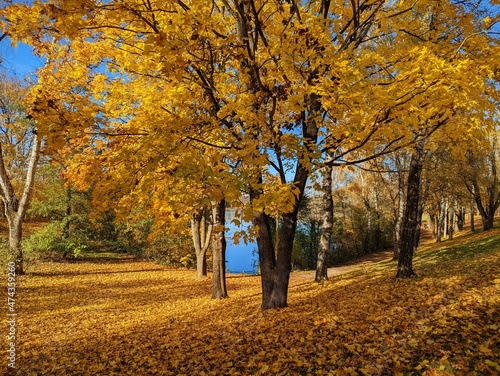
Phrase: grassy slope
pixel 90 318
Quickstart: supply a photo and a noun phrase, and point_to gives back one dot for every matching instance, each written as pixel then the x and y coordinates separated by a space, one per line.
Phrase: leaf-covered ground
pixel 138 318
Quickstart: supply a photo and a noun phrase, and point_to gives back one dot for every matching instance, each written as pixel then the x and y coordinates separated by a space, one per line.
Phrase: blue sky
pixel 19 61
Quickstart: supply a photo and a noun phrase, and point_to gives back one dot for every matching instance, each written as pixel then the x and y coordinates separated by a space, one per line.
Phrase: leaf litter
pixel 139 318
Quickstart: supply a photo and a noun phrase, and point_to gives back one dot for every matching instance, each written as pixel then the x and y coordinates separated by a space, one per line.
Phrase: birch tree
pixel 19 154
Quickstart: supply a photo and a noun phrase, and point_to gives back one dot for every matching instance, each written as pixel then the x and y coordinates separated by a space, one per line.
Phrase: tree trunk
pixel 15 209
pixel 201 265
pixel 488 225
pixel 487 212
pixel 219 290
pixel 484 214
pixel 267 260
pixel 409 232
pixel 401 209
pixel 378 230
pixel 432 219
pixel 201 234
pixel 472 212
pixel 421 207
pixel 67 219
pixel 440 221
pixel 486 209
pixel 367 239
pixel 446 218
pixel 461 218
pixel 326 227
pixel 451 220
pixel 15 248
pixel 275 268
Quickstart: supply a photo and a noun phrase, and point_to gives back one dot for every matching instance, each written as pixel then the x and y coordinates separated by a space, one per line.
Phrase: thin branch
pixel 208 143
pixel 115 134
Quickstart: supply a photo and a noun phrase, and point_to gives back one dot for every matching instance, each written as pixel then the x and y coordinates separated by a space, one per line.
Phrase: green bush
pixel 50 243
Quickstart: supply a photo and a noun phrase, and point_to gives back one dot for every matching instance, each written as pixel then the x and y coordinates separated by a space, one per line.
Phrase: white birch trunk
pixel 15 209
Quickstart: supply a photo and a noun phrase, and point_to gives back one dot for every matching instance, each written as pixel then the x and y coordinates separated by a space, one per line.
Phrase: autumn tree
pixel 458 34
pixel 447 197
pixel 326 226
pixel 399 163
pixel 19 154
pixel 253 105
pixel 267 88
pixel 482 180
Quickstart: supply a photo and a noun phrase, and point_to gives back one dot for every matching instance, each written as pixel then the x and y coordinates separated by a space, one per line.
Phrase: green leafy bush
pixel 50 243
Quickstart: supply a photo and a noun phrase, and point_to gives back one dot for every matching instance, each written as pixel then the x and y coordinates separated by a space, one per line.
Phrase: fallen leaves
pixel 140 318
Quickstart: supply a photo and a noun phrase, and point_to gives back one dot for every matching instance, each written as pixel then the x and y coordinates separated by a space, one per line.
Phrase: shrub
pixel 50 243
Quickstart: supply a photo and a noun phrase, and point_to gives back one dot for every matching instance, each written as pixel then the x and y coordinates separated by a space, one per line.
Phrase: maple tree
pixel 265 89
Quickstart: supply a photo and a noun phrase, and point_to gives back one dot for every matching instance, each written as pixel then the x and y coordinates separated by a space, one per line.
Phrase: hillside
pixel 130 317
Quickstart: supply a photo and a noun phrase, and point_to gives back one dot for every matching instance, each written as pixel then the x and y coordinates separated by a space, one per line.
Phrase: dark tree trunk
pixel 219 290
pixel 461 218
pixel 488 222
pixel 472 212
pixel 409 231
pixel 275 261
pixel 451 217
pixel 378 230
pixel 326 227
pixel 487 212
pixel 446 218
pixel 267 260
pixel 367 238
pixel 440 221
pixel 488 208
pixel 275 268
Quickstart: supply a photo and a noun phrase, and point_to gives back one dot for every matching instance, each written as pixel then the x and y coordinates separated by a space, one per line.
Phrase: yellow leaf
pixel 493 364
pixel 264 369
pixel 484 349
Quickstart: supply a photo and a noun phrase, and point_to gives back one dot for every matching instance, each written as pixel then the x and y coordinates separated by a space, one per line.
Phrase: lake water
pixel 240 258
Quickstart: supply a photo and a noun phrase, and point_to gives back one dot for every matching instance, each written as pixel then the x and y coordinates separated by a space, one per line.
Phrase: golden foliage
pixel 138 318
pixel 186 98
